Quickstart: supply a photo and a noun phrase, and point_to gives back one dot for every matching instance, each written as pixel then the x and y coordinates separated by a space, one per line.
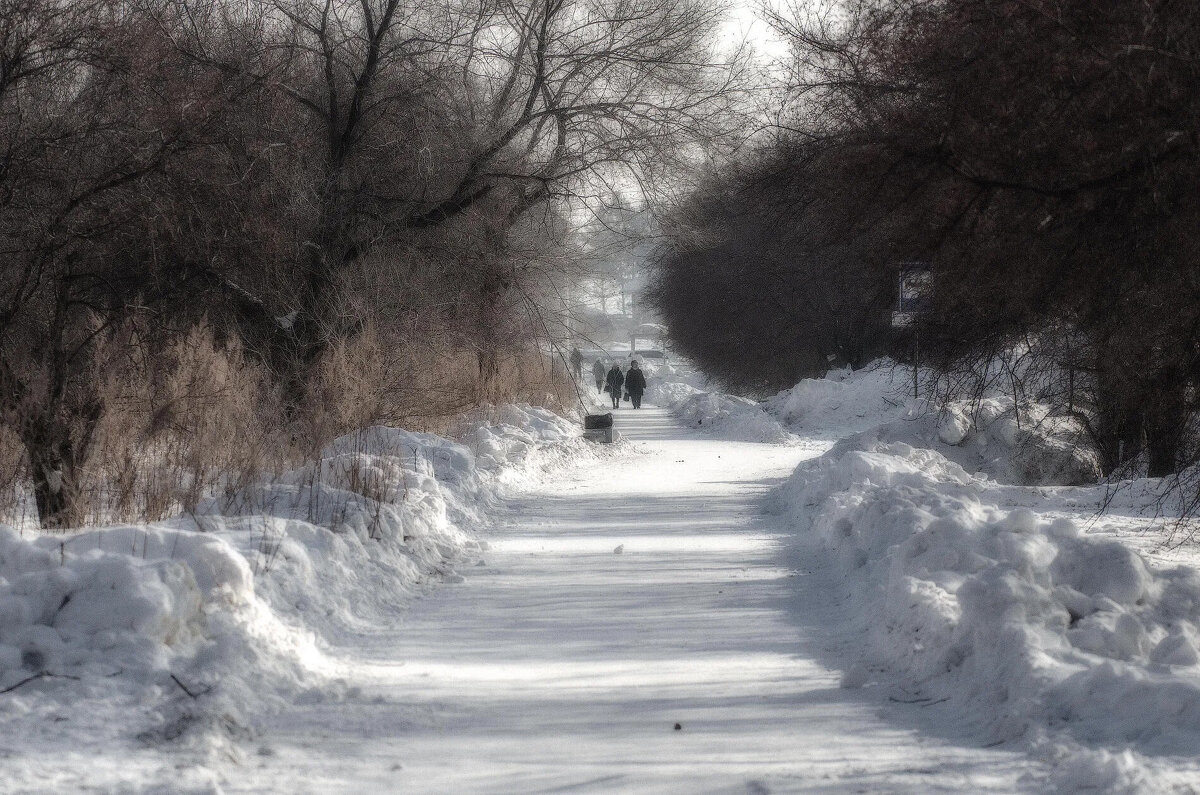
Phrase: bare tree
pixel 101 129
pixel 414 118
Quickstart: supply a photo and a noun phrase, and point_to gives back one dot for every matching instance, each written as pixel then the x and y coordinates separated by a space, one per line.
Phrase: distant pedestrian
pixel 577 363
pixel 613 383
pixel 598 373
pixel 635 384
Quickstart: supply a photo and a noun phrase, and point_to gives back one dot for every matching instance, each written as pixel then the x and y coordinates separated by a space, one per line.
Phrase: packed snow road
pixel 644 625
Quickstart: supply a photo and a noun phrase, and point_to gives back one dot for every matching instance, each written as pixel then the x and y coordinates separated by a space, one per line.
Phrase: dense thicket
pixel 765 279
pixel 1065 136
pixel 1042 156
pixel 333 212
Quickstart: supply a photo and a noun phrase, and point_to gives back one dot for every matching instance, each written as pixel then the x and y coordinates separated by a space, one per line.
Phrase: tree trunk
pixel 491 331
pixel 1166 414
pixel 489 371
pixel 1118 422
pixel 58 445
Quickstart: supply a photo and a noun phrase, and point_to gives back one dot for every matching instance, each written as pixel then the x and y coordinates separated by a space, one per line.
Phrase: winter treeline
pixel 232 229
pixel 1040 155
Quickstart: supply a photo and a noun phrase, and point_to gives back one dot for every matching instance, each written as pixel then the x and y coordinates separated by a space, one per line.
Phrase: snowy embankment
pixel 684 391
pixel 875 406
pixel 165 631
pixel 997 598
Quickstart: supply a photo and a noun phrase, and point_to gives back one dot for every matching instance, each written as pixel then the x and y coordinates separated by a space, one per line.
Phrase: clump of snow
pixel 1027 624
pixel 846 400
pixel 512 441
pixel 1076 768
pixel 953 425
pixel 731 416
pixel 124 598
pixel 668 383
pixel 684 390
pixel 156 632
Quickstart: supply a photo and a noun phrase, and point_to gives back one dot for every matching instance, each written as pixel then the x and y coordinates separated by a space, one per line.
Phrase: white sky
pixel 744 22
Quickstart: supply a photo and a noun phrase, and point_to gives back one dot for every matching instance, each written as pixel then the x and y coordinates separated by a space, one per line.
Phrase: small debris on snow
pixel 856 676
pixel 678 727
pixel 620 548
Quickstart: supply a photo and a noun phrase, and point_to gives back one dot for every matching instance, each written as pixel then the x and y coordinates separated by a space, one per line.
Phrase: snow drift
pixel 684 390
pixel 1029 626
pixel 214 617
pixel 991 597
pixel 986 436
pixel 731 416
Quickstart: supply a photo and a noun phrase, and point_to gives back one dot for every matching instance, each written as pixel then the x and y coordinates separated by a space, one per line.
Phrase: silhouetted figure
pixel 613 383
pixel 598 372
pixel 635 384
pixel 577 363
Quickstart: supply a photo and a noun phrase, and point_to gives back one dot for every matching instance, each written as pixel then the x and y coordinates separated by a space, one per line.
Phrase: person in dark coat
pixel 577 363
pixel 613 383
pixel 635 384
pixel 598 372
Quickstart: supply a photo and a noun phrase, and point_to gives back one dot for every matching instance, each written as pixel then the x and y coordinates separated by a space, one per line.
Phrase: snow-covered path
pixel 616 602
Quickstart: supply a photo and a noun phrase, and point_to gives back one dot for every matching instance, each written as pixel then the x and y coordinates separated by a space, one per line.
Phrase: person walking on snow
pixel 598 373
pixel 635 384
pixel 577 363
pixel 613 384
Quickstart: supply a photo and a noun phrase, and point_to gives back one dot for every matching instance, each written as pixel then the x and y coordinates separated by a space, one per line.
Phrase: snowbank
pixel 984 436
pixel 731 416
pixel 1031 628
pixel 514 442
pixel 846 401
pixel 684 390
pixel 207 620
pixel 669 383
pixel 87 602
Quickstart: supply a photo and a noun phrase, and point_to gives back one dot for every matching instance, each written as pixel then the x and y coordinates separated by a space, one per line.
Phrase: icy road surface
pixel 615 603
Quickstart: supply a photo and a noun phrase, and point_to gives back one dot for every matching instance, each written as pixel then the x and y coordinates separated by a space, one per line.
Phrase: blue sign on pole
pixel 916 286
pixel 916 282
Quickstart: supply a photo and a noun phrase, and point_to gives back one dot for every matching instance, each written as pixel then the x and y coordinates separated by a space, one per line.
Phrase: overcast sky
pixel 744 21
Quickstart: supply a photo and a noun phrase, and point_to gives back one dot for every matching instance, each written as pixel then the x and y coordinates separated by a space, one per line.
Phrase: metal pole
pixel 1071 391
pixel 916 364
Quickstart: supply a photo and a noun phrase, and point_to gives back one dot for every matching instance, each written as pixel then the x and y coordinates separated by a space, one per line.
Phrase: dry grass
pixel 206 421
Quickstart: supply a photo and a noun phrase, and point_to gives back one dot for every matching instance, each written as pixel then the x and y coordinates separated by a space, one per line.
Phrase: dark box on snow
pixel 598 428
pixel 592 422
